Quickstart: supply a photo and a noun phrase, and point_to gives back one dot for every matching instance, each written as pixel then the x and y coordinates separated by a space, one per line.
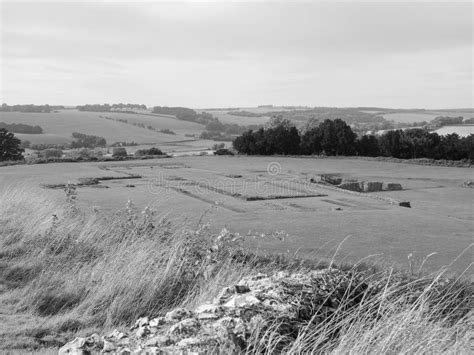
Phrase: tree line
pixel 29 108
pixel 214 128
pixel 87 141
pixel 21 128
pixel 108 107
pixel 335 137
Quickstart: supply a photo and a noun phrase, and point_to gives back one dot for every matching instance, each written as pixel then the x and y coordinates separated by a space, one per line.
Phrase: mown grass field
pixel 220 190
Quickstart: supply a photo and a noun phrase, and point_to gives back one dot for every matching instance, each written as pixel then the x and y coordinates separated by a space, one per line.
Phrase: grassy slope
pixel 59 126
pixel 401 117
pixel 77 273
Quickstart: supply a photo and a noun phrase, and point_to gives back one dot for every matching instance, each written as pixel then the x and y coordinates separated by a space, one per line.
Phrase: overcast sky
pixel 218 54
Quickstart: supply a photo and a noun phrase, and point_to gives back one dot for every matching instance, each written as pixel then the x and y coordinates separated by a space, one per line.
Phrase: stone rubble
pixel 229 321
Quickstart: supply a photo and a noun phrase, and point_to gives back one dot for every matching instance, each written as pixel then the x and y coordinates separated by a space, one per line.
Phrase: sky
pixel 238 54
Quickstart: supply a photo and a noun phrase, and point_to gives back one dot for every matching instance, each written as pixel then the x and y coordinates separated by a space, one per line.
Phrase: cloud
pixel 277 47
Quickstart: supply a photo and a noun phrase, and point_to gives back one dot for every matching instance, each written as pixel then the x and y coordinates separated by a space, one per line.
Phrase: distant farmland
pixel 460 130
pixel 224 117
pixel 58 126
pixel 410 117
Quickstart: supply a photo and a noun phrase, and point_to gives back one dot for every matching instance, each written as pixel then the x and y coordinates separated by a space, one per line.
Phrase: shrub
pixel 223 151
pixel 216 136
pixel 52 153
pixel 167 131
pixel 44 146
pixel 85 154
pixel 123 144
pixel 87 141
pixel 119 152
pixel 151 151
pixel 25 144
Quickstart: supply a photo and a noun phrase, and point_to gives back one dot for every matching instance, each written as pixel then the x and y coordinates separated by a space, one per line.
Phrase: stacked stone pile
pixel 238 313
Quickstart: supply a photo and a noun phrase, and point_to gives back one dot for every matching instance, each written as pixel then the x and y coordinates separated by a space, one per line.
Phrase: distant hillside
pixel 57 127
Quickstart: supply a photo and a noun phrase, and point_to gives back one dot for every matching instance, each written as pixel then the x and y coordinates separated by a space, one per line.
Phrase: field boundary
pixel 419 161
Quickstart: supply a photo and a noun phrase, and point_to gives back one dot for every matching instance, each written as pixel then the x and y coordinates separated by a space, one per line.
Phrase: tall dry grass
pixel 79 270
pixel 401 314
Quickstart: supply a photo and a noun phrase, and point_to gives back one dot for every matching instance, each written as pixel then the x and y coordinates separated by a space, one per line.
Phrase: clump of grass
pixel 79 270
pixel 106 270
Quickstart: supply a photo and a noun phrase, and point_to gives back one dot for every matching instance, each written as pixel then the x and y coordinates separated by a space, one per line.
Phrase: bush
pixel 216 136
pixel 52 153
pixel 85 154
pixel 167 131
pixel 123 144
pixel 87 141
pixel 25 144
pixel 151 151
pixel 119 152
pixel 44 146
pixel 223 151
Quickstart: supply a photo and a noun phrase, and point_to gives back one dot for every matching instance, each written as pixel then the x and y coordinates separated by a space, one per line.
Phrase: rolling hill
pixel 58 126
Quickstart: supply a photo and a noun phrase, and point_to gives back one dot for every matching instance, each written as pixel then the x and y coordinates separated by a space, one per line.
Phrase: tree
pixel 312 123
pixel 336 137
pixel 311 141
pixel 278 121
pixel 390 143
pixel 466 147
pixel 245 143
pixel 368 146
pixel 282 140
pixel 10 146
pixel 345 138
pixel 119 152
pixel 450 144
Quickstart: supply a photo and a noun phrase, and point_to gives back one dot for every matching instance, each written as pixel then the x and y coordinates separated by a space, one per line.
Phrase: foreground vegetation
pixel 76 272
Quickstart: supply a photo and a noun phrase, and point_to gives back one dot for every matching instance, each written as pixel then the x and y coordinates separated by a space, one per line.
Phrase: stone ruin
pixel 361 186
pixel 357 186
pixel 238 313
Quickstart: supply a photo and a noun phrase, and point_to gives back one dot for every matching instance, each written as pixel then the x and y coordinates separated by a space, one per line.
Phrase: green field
pixel 402 116
pixel 412 117
pixel 224 117
pixel 221 190
pixel 58 126
pixel 460 130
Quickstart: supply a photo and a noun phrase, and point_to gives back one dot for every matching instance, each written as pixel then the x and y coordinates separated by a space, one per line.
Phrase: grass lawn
pixel 189 189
